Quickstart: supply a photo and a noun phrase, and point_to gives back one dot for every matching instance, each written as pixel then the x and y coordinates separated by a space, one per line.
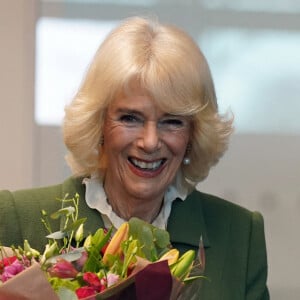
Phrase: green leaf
pixel 153 241
pixel 75 225
pixel 100 238
pixel 162 238
pixel 130 249
pixel 61 283
pixel 57 235
pixel 66 211
pixel 69 256
pixel 145 236
pixel 98 241
pixel 192 278
pixel 66 294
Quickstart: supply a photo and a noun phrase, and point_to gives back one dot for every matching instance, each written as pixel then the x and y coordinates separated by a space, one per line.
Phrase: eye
pixel 173 122
pixel 129 119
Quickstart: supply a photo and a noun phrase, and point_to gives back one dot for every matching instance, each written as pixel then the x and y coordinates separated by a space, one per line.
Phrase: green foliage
pixel 66 294
pixel 96 243
pixel 143 240
pixel 130 249
pixel 61 283
pixel 153 241
pixel 63 212
pixel 70 224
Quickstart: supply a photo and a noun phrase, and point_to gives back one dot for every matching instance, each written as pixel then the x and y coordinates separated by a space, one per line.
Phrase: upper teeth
pixel 146 165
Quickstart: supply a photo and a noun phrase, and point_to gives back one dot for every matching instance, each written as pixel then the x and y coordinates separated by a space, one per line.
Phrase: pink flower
pixel 63 269
pixel 85 291
pixel 112 279
pixel 11 270
pixel 79 263
pixel 7 261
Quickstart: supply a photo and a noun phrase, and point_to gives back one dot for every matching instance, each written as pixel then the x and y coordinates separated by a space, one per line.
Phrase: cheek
pixel 177 144
pixel 117 138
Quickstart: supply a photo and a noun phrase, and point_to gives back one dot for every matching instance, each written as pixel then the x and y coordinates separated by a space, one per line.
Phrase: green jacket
pixel 234 241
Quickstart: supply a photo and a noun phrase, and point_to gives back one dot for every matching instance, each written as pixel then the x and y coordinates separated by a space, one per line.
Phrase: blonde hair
pixel 169 65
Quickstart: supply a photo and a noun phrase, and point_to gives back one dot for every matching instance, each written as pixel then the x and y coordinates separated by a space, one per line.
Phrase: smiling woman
pixel 177 86
pixel 142 131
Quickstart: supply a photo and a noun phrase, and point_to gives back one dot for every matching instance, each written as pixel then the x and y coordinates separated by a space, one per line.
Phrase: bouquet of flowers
pixel 125 264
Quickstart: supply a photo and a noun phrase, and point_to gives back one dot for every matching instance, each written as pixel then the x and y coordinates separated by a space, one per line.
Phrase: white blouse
pixel 96 198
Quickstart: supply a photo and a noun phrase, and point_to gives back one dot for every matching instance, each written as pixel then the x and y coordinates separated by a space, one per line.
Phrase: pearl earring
pixel 186 161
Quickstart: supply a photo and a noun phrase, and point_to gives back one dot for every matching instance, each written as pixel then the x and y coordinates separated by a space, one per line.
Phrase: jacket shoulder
pixel 213 201
pixel 224 218
pixel 216 208
pixel 236 250
pixel 211 217
pixel 20 213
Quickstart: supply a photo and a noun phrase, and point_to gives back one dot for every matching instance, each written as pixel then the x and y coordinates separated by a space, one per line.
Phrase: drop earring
pixel 186 159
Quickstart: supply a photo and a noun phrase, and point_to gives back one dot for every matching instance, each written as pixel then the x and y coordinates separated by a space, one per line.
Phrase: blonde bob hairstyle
pixel 169 65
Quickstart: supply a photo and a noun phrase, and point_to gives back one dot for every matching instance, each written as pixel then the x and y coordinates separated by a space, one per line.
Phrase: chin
pixel 145 191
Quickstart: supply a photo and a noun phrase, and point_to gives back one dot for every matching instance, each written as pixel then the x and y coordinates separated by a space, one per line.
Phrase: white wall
pixel 17 32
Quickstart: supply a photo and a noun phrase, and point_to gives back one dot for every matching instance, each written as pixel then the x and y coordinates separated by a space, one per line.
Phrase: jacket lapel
pixel 186 224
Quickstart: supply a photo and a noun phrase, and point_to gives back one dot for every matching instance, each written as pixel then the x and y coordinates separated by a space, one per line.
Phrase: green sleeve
pixel 10 231
pixel 20 215
pixel 20 212
pixel 257 269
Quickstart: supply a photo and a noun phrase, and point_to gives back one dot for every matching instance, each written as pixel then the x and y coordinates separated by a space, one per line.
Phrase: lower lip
pixel 146 173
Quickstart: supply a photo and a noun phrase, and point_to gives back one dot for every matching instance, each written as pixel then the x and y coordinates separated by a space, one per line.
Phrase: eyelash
pixel 173 122
pixel 128 118
pixel 131 119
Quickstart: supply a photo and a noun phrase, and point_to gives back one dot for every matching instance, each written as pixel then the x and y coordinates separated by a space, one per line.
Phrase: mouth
pixel 147 165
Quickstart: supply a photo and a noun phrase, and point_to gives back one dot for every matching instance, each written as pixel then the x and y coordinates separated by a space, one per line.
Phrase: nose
pixel 149 140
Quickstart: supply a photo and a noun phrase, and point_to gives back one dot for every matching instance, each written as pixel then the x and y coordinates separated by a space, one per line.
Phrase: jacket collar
pixel 186 224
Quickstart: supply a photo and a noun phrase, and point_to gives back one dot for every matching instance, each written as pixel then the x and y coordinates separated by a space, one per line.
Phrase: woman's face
pixel 143 146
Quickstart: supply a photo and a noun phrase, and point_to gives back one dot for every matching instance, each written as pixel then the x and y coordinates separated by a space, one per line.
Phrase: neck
pixel 128 207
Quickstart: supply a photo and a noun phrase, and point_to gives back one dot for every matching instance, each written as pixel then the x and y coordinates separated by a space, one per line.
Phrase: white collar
pixel 96 198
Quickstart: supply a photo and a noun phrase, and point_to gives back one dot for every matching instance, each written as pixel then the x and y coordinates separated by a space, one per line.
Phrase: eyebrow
pixel 134 111
pixel 128 110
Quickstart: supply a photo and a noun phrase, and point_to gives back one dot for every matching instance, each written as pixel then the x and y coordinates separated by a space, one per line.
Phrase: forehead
pixel 138 102
pixel 169 101
pixel 134 95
